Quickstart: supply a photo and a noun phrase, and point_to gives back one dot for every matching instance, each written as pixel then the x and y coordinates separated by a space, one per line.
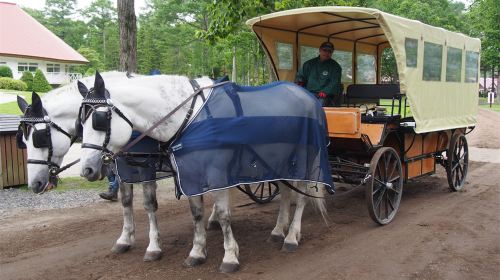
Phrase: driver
pixel 321 76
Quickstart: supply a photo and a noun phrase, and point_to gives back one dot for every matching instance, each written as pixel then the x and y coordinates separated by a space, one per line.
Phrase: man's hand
pixel 321 95
pixel 302 84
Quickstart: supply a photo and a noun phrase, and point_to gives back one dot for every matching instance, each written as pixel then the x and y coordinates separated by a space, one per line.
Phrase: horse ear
pixel 99 88
pixel 82 89
pixel 23 104
pixel 36 104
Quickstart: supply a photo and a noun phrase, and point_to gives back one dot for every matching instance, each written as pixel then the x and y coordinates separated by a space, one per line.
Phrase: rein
pixel 197 91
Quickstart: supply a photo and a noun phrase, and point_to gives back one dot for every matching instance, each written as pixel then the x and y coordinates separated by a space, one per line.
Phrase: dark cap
pixel 326 46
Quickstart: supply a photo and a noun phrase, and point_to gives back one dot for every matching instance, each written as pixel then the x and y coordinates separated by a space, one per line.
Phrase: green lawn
pixel 483 103
pixel 11 108
pixel 76 183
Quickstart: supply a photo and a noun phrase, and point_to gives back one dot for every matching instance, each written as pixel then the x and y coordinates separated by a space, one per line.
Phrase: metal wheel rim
pixel 458 163
pixel 263 193
pixel 385 187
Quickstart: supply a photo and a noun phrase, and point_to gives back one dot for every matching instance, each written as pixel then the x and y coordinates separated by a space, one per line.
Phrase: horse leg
pixel 230 261
pixel 278 233
pixel 153 252
pixel 198 253
pixel 212 220
pixel 127 238
pixel 292 239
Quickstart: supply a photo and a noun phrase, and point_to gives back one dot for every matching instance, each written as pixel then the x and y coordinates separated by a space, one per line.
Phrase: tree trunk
pixel 128 41
pixel 233 76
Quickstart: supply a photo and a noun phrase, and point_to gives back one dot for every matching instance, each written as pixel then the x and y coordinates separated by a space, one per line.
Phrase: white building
pixel 26 45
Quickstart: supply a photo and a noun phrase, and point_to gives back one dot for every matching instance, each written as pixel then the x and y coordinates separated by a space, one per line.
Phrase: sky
pixel 81 4
pixel 139 4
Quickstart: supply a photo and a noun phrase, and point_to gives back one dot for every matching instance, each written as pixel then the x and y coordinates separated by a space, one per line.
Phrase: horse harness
pixel 41 139
pixel 101 120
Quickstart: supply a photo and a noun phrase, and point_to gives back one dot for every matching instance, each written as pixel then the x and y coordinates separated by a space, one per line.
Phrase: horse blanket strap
pixel 135 141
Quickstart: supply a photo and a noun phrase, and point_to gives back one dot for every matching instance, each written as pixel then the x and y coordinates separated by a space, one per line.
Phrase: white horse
pixel 141 102
pixel 61 105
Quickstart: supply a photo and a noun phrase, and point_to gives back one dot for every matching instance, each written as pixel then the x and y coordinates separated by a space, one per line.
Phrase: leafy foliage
pixel 5 71
pixel 40 83
pixel 9 83
pixel 201 37
pixel 27 77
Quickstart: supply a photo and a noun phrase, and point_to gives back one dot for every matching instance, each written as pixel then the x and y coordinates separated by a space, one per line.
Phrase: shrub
pixel 28 79
pixel 40 83
pixel 90 72
pixel 5 71
pixel 9 83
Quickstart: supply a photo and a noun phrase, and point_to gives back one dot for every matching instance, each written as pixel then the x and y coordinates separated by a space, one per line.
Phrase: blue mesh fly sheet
pixel 246 135
pixel 143 162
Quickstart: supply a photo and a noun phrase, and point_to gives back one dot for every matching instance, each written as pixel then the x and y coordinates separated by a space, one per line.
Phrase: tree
pixel 94 62
pixel 101 15
pixel 27 77
pixel 128 30
pixel 40 83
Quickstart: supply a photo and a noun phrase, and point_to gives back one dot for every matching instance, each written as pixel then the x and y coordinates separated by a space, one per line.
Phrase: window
pixel 411 49
pixel 343 58
pixel 388 67
pixel 307 53
pixel 365 69
pixel 471 64
pixel 433 55
pixel 285 56
pixel 53 68
pixel 24 67
pixel 454 65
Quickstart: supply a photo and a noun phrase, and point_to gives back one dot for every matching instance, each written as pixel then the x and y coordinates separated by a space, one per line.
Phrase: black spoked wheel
pixel 385 186
pixel 457 162
pixel 262 192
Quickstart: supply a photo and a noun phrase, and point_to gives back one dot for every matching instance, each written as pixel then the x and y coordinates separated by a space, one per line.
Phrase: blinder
pixel 101 120
pixel 41 138
pixel 19 139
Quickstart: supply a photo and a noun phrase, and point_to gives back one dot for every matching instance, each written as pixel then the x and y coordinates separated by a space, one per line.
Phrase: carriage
pixel 390 128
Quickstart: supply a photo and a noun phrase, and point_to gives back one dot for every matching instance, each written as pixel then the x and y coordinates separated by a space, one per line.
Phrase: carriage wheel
pixel 262 192
pixel 458 162
pixel 385 186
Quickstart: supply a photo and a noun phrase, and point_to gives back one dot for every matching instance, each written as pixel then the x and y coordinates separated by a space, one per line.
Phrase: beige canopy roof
pixel 436 104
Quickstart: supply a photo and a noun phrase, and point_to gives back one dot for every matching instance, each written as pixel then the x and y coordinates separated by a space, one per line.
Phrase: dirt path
pixel 437 234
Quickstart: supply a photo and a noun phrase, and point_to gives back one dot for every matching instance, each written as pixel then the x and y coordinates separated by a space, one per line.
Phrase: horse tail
pixel 317 198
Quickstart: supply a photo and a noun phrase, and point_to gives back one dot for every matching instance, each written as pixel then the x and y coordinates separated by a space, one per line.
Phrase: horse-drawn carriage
pixel 385 134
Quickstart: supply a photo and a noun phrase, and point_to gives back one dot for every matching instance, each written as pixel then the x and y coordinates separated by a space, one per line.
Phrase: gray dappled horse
pixel 139 103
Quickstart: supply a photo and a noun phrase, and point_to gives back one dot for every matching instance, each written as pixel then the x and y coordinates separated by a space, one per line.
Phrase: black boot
pixel 109 195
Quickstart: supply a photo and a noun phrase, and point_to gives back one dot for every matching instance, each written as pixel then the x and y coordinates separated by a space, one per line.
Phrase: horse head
pixel 105 129
pixel 45 141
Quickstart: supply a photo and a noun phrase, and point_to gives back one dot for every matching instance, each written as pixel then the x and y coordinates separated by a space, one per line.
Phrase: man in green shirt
pixel 321 76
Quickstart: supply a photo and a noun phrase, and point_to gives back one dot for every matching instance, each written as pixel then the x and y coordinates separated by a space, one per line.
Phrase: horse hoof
pixel 289 247
pixel 152 256
pixel 276 239
pixel 229 267
pixel 213 225
pixel 120 248
pixel 192 262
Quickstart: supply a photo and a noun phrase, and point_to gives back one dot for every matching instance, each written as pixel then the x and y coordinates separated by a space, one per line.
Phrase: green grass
pixel 11 108
pixel 483 103
pixel 75 183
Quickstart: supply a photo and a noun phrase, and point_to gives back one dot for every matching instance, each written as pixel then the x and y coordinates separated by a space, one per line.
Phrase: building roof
pixel 23 36
pixel 9 123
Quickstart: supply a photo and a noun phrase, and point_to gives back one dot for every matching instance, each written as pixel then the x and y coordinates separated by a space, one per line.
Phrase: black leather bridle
pixel 42 139
pixel 101 121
